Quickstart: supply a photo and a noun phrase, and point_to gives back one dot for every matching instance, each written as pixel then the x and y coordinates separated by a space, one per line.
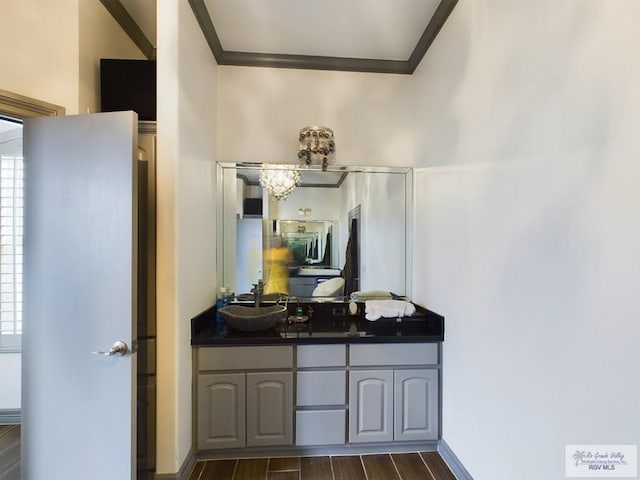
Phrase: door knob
pixel 119 349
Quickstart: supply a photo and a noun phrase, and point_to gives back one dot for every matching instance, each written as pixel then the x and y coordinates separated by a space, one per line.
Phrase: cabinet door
pixel 416 404
pixel 371 406
pixel 269 409
pixel 221 411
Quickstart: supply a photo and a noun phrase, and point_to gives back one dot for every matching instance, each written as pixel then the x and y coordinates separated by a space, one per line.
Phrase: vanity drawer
pixel 394 354
pixel 320 427
pixel 244 358
pixel 321 388
pixel 310 356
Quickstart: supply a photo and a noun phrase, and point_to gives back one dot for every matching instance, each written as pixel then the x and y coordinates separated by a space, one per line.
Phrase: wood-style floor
pixel 394 466
pixel 9 452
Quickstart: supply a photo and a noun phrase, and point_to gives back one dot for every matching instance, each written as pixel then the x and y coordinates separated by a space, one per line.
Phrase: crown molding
pixel 430 33
pixel 313 62
pixel 130 27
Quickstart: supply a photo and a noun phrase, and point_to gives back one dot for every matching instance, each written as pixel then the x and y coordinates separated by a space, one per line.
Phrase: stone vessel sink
pixel 253 319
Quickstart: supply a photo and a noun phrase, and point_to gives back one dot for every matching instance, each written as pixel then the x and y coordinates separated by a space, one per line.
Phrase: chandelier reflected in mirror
pixel 317 145
pixel 279 180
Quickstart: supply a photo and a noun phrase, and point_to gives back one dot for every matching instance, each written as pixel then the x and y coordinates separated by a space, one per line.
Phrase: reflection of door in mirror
pixel 351 270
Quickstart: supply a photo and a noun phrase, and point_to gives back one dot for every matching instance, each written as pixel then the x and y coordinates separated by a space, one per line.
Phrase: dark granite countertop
pixel 329 322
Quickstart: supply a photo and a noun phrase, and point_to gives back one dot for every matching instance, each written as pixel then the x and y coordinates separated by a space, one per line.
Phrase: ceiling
pixel 383 36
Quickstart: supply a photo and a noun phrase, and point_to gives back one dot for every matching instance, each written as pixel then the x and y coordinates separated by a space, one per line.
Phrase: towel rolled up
pixel 375 309
pixel 363 296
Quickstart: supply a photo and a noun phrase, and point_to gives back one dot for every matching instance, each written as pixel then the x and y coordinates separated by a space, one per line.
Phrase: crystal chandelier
pixel 316 145
pixel 279 180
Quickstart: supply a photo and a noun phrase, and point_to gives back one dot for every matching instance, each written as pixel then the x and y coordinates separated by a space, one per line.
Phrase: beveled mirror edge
pixel 318 168
pixel 409 238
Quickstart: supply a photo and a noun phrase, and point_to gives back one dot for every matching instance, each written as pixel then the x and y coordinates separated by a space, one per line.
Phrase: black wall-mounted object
pixel 128 85
pixel 252 207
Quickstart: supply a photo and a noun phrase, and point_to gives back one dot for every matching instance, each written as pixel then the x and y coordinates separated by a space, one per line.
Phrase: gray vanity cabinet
pixel 415 405
pixel 249 407
pixel 393 404
pixel 269 409
pixel 221 411
pixel 321 395
pixel 371 406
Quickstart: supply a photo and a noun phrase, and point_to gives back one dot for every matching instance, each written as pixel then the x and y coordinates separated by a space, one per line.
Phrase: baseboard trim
pixel 10 416
pixel 315 451
pixel 454 463
pixel 184 472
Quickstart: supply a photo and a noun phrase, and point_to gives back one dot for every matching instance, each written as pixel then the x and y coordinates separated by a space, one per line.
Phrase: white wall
pixel 261 112
pixel 50 51
pixel 39 50
pixel 186 230
pixel 528 229
pixel 10 371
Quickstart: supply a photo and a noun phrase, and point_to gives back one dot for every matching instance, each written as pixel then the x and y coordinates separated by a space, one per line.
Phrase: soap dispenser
pixel 223 299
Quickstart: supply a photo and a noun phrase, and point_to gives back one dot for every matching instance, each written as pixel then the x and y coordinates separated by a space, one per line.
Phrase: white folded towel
pixel 362 296
pixel 375 309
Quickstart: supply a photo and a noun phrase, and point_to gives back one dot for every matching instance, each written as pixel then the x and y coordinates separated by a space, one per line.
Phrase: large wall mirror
pixel 349 223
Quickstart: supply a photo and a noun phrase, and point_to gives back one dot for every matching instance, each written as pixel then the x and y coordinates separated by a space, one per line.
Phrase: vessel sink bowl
pixel 253 319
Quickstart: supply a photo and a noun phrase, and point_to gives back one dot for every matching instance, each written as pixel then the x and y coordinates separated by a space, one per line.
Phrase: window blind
pixel 11 229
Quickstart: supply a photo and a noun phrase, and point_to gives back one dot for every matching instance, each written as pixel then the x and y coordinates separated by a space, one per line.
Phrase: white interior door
pixel 78 406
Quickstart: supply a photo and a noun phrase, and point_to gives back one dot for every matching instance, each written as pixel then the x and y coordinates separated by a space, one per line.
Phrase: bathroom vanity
pixel 335 383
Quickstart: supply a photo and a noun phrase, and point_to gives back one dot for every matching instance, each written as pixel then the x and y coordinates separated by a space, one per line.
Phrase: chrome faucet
pixel 258 290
